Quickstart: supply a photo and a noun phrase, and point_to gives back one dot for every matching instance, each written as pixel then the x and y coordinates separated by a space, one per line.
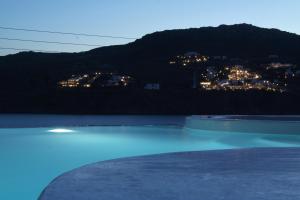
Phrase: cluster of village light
pixel 96 78
pixel 238 78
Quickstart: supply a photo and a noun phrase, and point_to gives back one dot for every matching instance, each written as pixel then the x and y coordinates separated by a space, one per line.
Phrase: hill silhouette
pixel 146 59
pixel 240 40
pixel 151 52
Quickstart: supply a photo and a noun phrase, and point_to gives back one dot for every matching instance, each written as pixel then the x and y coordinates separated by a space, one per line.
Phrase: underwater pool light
pixel 60 130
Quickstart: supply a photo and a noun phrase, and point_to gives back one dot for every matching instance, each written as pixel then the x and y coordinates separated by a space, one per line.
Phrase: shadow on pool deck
pixel 247 174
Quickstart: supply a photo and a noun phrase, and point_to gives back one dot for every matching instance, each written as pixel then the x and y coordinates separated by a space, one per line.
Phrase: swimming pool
pixel 31 157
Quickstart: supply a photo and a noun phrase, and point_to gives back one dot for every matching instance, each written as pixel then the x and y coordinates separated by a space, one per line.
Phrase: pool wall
pixel 258 124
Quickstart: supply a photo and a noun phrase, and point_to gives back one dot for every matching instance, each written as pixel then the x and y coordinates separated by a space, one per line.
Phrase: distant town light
pixel 205 83
pixel 90 80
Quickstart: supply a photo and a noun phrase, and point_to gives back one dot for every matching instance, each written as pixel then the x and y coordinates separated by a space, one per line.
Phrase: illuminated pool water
pixel 31 157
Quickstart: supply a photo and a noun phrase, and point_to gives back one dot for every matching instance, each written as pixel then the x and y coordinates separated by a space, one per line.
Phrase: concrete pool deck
pixel 247 174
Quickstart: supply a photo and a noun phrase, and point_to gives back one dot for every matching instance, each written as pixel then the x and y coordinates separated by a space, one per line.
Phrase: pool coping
pixel 47 121
pixel 247 174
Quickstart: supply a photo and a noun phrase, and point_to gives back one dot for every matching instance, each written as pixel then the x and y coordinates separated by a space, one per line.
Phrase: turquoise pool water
pixel 31 157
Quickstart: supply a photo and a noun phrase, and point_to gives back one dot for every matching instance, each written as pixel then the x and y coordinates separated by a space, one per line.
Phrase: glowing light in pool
pixel 60 130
